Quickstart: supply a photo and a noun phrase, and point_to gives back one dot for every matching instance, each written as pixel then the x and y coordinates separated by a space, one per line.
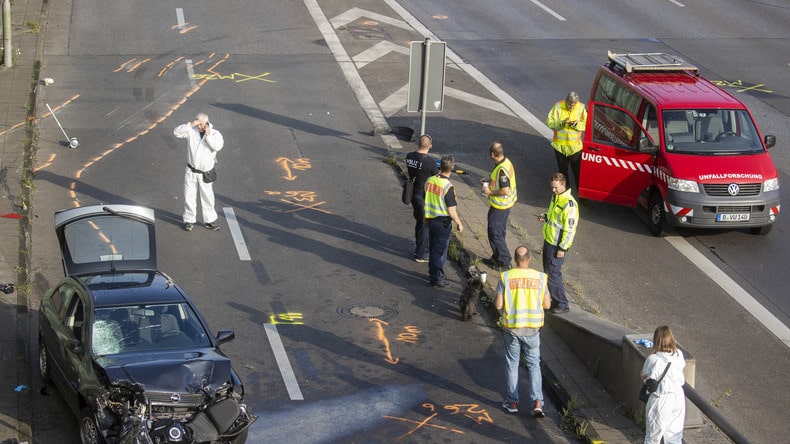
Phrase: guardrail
pixel 714 415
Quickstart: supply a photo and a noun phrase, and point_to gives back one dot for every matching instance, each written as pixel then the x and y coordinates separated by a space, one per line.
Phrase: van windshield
pixel 710 131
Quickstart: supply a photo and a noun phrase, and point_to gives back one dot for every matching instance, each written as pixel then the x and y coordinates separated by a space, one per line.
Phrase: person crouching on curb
pixel 522 295
pixel 440 213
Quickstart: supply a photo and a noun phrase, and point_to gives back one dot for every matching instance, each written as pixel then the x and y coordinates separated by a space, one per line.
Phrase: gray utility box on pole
pixel 426 80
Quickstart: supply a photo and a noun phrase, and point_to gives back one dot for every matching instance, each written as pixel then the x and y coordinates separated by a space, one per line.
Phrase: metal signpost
pixel 426 78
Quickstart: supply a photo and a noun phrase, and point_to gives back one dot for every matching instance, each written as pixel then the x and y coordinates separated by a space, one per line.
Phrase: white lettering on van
pixel 596 158
pixel 732 176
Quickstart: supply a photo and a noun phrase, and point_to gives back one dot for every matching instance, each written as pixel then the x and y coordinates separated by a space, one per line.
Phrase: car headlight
pixel 771 184
pixel 687 186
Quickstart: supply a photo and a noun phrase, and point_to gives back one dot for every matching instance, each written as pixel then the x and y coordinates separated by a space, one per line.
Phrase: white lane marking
pixel 732 288
pixel 180 17
pixel 190 72
pixel 235 231
pixel 380 125
pixel 283 363
pixel 356 13
pixel 493 105
pixel 677 3
pixel 503 97
pixel 377 51
pixel 547 9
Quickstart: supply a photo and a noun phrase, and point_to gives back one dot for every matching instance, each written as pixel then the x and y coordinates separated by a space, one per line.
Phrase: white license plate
pixel 737 217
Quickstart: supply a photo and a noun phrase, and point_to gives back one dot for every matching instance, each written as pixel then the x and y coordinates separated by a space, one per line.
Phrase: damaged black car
pixel 126 347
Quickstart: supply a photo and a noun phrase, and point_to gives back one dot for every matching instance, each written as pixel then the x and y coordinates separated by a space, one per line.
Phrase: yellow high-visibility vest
pixel 503 202
pixel 562 218
pixel 525 289
pixel 435 189
pixel 567 138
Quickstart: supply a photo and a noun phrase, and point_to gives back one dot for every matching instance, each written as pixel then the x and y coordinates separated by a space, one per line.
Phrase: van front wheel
pixel 762 231
pixel 656 217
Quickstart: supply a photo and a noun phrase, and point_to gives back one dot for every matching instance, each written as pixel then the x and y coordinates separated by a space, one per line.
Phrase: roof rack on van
pixel 654 61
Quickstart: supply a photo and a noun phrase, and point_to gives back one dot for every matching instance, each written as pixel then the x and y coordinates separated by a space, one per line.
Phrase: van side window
pixel 614 126
pixel 614 93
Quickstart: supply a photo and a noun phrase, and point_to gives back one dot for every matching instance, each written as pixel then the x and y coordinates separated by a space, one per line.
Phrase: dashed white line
pixel 180 17
pixel 235 232
pixel 283 363
pixel 547 9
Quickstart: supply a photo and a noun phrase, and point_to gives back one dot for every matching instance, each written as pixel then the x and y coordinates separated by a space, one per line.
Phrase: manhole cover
pixel 367 311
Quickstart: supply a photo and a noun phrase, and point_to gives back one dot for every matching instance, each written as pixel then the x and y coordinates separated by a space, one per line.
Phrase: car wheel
pixel 762 231
pixel 656 217
pixel 89 428
pixel 43 362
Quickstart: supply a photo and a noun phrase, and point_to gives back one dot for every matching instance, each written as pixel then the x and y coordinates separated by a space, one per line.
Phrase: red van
pixel 660 136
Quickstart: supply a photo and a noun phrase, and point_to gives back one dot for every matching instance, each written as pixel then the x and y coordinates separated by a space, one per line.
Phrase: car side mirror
pixel 73 345
pixel 646 147
pixel 224 336
pixel 770 141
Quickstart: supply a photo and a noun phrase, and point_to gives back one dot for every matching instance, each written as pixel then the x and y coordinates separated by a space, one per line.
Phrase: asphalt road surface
pixel 313 261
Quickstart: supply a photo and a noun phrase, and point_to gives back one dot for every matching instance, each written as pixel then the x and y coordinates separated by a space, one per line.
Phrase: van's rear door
pixel 613 169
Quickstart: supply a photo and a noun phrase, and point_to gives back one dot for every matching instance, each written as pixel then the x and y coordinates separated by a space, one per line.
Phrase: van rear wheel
pixel 656 217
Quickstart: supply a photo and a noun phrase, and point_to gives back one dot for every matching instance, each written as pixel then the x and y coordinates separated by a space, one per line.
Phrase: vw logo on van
pixel 733 189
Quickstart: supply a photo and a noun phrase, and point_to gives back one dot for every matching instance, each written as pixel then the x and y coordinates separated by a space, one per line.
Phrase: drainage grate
pixel 367 311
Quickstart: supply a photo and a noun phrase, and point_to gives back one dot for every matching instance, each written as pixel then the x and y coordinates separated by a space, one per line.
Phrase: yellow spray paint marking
pixel 740 86
pixel 236 77
pixel 288 165
pixel 297 199
pixel 383 338
pixel 286 318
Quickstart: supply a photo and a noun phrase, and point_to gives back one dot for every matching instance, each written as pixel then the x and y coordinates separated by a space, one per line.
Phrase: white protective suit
pixel 665 411
pixel 201 155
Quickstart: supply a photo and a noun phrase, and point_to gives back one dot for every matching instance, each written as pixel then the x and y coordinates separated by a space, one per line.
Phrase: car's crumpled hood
pixel 191 371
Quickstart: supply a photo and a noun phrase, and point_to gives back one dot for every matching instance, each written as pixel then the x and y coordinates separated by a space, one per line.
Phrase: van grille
pixel 721 189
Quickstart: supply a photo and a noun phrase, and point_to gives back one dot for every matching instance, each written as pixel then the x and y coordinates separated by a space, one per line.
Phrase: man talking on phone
pixel 203 143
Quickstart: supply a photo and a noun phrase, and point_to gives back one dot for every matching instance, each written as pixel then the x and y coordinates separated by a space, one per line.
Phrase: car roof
pixel 132 289
pixel 102 239
pixel 680 89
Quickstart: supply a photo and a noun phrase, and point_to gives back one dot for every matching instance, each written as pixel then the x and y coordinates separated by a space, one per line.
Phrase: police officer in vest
pixel 522 295
pixel 501 191
pixel 568 119
pixel 559 229
pixel 440 213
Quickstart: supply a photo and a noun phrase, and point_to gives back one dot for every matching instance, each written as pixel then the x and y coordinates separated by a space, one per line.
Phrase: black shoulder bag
pixel 651 385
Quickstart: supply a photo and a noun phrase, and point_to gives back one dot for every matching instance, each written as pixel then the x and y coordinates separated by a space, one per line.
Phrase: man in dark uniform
pixel 420 167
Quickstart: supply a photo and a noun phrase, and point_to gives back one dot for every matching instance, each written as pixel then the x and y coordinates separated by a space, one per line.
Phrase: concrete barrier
pixel 609 351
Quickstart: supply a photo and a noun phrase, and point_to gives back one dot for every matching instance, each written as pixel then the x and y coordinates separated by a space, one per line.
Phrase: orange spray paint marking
pixel 410 336
pixel 288 165
pixel 383 338
pixel 481 415
pixel 123 65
